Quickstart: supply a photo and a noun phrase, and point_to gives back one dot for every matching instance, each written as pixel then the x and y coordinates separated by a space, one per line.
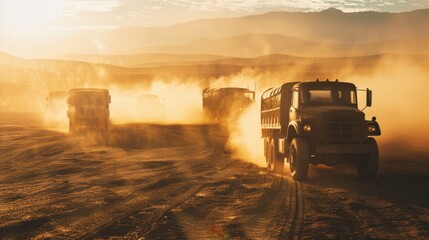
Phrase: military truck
pixel 56 99
pixel 56 107
pixel 88 109
pixel 318 122
pixel 225 103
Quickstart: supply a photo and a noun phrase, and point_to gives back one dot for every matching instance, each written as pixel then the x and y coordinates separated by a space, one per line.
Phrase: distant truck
pixel 56 106
pixel 88 109
pixel 318 123
pixel 56 99
pixel 226 103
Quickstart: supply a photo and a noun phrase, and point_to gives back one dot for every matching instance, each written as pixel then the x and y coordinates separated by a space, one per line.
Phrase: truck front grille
pixel 344 130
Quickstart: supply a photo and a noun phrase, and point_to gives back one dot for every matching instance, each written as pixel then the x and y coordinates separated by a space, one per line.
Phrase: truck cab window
pixel 328 96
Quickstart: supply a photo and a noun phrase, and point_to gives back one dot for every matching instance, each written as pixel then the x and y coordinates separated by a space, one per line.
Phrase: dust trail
pixel 399 91
pixel 245 137
pixel 399 85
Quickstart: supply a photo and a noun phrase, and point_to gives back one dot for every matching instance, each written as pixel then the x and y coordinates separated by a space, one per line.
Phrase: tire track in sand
pixel 297 224
pixel 154 209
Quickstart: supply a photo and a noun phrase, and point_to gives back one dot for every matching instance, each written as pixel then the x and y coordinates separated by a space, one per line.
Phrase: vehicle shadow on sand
pixel 407 187
pixel 146 136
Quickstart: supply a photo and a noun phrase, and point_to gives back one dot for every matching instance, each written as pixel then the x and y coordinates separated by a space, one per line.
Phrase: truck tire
pixel 299 157
pixel 367 168
pixel 277 160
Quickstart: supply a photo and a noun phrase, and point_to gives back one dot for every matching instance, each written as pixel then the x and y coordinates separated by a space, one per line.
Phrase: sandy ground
pixel 177 182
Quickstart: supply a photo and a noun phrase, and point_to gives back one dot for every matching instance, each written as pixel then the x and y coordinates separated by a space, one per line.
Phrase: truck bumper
pixel 333 154
pixel 342 149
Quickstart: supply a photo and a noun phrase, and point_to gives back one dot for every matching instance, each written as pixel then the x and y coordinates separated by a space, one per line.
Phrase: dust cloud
pixel 55 117
pixel 163 103
pixel 245 136
pixel 244 132
pixel 399 86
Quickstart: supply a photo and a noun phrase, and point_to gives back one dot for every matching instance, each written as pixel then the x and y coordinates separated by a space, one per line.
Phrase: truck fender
pixel 292 131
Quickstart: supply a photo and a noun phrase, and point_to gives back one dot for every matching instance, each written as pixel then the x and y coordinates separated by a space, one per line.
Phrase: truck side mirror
pixel 368 97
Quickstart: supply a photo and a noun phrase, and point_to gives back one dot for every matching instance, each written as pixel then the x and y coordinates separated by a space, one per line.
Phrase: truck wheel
pixel 299 157
pixel 367 168
pixel 277 161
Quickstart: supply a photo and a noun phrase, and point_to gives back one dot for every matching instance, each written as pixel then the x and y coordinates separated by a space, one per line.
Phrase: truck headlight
pixel 372 128
pixel 307 128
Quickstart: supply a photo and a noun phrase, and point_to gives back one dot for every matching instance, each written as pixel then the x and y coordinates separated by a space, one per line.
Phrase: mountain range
pixel 327 33
pixel 328 26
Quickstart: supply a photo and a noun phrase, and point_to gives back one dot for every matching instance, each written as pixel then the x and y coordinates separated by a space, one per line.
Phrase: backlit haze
pixel 154 164
pixel 27 25
pixel 174 49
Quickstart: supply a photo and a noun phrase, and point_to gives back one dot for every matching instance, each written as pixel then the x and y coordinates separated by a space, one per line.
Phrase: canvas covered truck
pixel 88 109
pixel 318 122
pixel 221 104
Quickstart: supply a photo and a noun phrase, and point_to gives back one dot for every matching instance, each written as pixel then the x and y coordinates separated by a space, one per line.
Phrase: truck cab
pixel 318 122
pixel 227 103
pixel 88 109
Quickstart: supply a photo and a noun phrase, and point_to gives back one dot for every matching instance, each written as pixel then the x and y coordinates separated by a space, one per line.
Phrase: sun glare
pixel 28 16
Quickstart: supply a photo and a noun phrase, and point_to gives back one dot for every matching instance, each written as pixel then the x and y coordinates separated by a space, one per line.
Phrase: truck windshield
pixel 238 94
pixel 328 96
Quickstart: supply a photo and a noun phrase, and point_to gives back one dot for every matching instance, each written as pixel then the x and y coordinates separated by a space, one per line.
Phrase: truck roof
pixel 84 90
pixel 326 83
pixel 290 85
pixel 274 91
pixel 226 89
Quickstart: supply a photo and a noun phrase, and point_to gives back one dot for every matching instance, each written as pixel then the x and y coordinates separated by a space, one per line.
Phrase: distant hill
pixel 139 60
pixel 257 44
pixel 49 75
pixel 294 33
pixel 6 59
pixel 246 45
pixel 329 26
pixel 24 83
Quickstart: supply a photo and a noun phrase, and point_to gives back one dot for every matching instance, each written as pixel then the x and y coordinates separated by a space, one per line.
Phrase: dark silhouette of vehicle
pixel 318 123
pixel 152 109
pixel 88 109
pixel 221 104
pixel 56 106
pixel 56 99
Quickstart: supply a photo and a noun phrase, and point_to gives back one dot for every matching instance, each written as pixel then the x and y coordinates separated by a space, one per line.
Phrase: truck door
pixel 293 112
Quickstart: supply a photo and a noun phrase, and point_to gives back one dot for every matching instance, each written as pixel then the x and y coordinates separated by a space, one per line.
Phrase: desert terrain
pixel 178 182
pixel 183 177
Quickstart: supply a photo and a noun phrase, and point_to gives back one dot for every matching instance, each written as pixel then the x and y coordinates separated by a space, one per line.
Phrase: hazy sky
pixel 51 17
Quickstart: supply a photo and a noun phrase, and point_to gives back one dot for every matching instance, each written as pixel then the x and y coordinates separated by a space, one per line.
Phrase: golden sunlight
pixel 28 16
